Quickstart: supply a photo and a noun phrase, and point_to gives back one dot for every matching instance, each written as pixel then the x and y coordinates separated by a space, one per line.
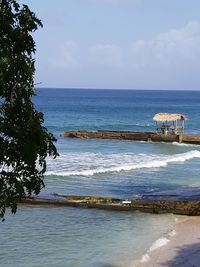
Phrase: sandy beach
pixel 181 249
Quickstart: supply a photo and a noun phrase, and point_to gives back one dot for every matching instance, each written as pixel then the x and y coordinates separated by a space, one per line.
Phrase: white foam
pixel 88 164
pixel 159 243
pixel 172 233
pixel 163 241
pixel 185 145
pixel 145 258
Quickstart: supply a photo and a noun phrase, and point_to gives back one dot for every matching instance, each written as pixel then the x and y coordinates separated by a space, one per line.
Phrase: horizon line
pixel 120 89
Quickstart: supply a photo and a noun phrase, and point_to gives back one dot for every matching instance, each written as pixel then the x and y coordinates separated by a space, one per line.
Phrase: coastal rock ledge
pixel 181 207
pixel 134 136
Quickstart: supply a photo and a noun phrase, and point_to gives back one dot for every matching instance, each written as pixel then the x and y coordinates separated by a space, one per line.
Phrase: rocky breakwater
pixel 120 135
pixel 135 136
pixel 157 206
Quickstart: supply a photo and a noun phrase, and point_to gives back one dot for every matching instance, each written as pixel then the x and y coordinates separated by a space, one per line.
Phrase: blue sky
pixel 130 44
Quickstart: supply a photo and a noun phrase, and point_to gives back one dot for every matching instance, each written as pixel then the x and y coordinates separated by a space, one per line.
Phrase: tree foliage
pixel 24 141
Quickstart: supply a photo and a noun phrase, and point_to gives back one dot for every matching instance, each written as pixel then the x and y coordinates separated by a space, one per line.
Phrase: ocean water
pixel 67 237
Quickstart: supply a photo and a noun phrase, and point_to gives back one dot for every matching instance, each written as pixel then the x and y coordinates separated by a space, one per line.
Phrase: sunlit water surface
pixel 67 237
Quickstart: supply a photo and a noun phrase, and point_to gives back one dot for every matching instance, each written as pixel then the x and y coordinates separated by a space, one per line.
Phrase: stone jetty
pixel 157 206
pixel 135 136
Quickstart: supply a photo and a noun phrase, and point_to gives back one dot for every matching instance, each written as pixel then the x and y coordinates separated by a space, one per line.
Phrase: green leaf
pixel 24 141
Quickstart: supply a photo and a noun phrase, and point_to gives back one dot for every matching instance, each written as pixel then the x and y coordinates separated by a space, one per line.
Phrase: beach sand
pixel 181 249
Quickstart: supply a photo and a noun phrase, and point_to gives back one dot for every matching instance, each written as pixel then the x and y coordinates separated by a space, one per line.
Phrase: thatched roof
pixel 168 117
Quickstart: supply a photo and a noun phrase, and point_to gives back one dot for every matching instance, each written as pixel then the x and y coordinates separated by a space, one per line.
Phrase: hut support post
pixel 176 128
pixel 183 126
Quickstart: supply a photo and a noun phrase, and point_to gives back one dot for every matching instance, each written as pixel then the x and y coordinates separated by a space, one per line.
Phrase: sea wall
pixel 191 139
pixel 181 207
pixel 136 136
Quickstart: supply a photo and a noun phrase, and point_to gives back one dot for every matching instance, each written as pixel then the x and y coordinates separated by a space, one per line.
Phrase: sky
pixel 118 44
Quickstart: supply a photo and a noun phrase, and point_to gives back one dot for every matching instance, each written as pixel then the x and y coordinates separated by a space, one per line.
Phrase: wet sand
pixel 183 249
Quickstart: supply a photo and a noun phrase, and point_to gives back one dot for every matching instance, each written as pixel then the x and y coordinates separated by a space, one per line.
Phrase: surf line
pixel 144 164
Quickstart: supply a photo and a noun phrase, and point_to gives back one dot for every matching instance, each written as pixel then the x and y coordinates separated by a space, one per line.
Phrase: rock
pixel 136 136
pixel 181 207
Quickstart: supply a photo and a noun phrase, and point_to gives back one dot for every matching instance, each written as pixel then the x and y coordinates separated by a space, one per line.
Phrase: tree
pixel 24 141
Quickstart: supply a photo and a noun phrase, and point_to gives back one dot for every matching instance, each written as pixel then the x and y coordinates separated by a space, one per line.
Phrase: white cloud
pixel 169 50
pixel 67 56
pixel 170 60
pixel 176 50
pixel 107 55
pixel 166 59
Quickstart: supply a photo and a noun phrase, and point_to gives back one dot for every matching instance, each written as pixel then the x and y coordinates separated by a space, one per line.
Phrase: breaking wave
pixel 184 145
pixel 88 164
pixel 160 242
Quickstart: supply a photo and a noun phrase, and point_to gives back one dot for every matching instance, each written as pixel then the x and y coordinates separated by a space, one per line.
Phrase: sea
pixel 73 237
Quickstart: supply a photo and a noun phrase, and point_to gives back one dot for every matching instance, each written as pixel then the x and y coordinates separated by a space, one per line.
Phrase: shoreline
pixel 181 248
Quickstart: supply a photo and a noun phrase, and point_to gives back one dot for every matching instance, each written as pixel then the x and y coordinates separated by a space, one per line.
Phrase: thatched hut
pixel 169 123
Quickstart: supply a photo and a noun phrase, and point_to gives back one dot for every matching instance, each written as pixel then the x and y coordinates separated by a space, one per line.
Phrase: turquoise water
pixel 67 237
pixel 71 237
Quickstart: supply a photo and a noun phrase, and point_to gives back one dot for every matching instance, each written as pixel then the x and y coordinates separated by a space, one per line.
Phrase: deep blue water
pixel 69 237
pixel 114 109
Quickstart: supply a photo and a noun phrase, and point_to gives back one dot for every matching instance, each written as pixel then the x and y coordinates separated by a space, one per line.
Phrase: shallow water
pixel 77 237
pixel 67 237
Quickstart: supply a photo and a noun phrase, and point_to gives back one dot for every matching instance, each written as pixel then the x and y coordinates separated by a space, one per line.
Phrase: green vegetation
pixel 24 141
